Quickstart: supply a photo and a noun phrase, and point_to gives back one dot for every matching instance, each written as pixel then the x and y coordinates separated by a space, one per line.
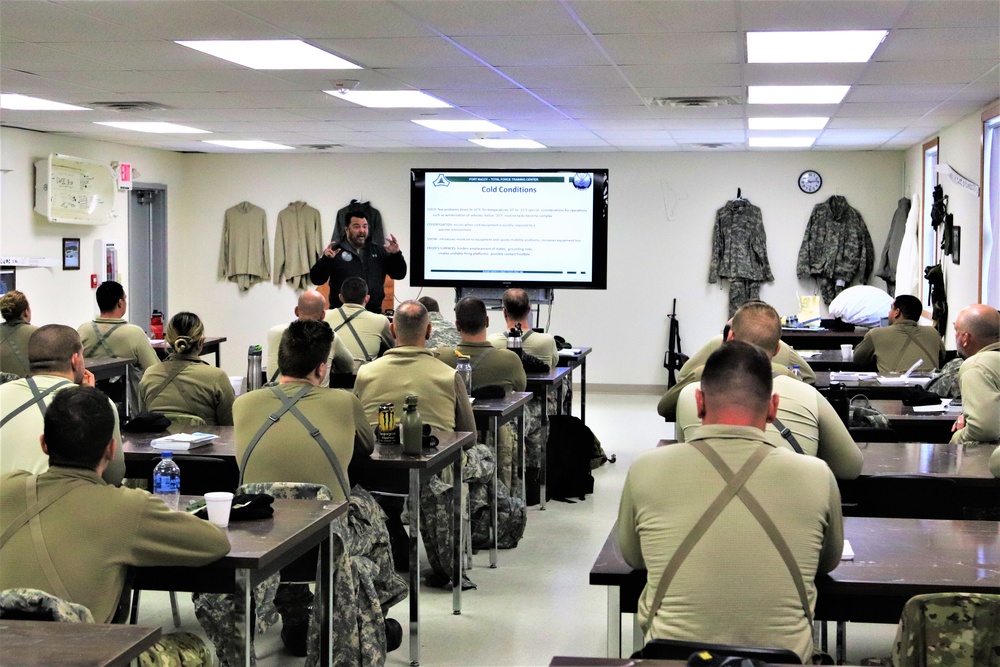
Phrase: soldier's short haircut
pixel 909 306
pixel 79 424
pixel 304 345
pixel 13 305
pixel 410 322
pixel 738 373
pixel 430 304
pixel 108 294
pixel 516 303
pixel 758 323
pixel 356 214
pixel 983 324
pixel 51 349
pixel 470 315
pixel 354 290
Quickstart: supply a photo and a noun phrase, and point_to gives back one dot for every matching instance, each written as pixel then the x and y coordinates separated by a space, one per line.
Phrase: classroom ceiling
pixel 573 75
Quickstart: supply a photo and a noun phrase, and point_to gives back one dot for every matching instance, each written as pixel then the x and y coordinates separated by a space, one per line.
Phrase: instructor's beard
pixel 357 240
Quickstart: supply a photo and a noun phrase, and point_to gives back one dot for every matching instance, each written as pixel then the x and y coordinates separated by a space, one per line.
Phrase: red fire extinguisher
pixel 156 325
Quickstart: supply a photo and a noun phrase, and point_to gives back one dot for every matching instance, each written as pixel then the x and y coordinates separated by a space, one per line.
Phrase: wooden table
pixel 821 339
pixel 916 426
pixel 430 461
pixel 496 412
pixel 212 346
pixel 259 549
pixel 574 358
pixel 832 360
pixel 51 644
pixel 107 368
pixel 141 457
pixel 895 560
pixel 540 384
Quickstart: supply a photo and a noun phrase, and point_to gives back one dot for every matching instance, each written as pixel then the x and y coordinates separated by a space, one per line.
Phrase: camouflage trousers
pixel 953 629
pixel 506 450
pixel 946 384
pixel 218 614
pixel 741 291
pixel 178 649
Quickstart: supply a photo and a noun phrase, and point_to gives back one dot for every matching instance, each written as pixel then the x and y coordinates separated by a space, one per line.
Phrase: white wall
pixel 961 147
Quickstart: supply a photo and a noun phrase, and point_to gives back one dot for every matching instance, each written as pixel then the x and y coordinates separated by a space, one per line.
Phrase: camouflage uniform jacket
pixel 836 245
pixel 443 332
pixel 739 244
pixel 956 629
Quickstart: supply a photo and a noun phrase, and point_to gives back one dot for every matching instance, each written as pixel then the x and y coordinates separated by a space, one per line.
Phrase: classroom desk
pixel 107 368
pixel 916 426
pixel 212 346
pixel 831 360
pixel 496 412
pixel 574 358
pixel 895 560
pixel 430 461
pixel 805 338
pixel 540 384
pixel 870 388
pixel 568 661
pixel 259 549
pixel 140 457
pixel 50 644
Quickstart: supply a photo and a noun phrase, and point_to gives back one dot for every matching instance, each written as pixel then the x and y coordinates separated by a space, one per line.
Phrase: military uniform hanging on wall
pixel 298 243
pixel 739 251
pixel 244 258
pixel 893 244
pixel 837 249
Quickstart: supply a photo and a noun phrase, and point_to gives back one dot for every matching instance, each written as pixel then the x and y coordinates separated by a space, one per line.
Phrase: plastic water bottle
pixel 464 370
pixel 167 481
pixel 797 372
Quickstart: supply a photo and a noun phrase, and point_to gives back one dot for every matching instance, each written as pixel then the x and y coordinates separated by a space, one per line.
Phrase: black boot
pixel 393 634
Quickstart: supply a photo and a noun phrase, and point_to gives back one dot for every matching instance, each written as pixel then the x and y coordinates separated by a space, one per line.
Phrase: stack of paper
pixel 182 441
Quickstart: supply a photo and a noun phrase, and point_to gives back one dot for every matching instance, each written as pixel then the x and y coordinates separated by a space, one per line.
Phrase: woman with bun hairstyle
pixel 183 387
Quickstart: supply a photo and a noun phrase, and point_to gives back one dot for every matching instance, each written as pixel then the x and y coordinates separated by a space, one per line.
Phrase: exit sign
pixel 124 176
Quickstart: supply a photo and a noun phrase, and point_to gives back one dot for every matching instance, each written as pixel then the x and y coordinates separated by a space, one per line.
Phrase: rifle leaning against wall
pixel 673 358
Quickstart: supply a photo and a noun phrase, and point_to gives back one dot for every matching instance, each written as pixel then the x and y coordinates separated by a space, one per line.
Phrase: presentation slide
pixel 531 226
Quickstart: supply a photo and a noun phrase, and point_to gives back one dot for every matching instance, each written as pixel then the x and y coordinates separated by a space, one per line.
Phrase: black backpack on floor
pixel 570 449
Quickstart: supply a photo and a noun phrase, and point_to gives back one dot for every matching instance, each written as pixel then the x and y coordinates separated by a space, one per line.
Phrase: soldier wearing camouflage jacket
pixel 739 252
pixel 837 249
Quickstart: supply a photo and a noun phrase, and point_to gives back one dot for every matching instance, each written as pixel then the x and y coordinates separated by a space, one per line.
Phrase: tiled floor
pixel 537 603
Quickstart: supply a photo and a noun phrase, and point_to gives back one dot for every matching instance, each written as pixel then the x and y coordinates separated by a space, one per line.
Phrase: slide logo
pixel 441 180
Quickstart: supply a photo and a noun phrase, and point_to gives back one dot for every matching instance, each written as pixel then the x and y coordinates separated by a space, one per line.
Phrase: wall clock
pixel 810 181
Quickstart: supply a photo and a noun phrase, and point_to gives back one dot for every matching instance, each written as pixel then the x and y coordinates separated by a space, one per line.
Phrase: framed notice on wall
pixel 71 254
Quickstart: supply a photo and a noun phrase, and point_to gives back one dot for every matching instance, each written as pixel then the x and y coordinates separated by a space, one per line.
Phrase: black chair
pixel 906 497
pixel 672 649
pixel 873 434
pixel 201 474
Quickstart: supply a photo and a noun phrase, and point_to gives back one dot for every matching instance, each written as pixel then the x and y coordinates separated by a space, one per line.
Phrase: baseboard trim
pixel 656 390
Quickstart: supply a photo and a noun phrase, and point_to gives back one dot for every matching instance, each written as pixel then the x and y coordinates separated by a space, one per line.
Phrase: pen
pixel 913 368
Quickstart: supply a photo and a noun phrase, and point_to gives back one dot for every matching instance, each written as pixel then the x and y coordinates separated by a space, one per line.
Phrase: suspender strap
pixel 9 340
pixel 274 376
pixel 527 333
pixel 912 336
pixel 347 321
pixel 102 339
pixel 766 523
pixel 787 434
pixel 478 360
pixel 733 484
pixel 38 399
pixel 35 508
pixel 41 550
pixel 288 405
pixel 177 368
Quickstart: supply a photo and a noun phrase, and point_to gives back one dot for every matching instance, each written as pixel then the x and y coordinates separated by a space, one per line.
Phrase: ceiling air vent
pixel 689 102
pixel 708 146
pixel 128 106
pixel 321 147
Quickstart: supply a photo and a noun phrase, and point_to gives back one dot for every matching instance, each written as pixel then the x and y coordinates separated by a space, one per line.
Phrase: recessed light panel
pixel 250 145
pixel 507 143
pixel 270 53
pixel 390 99
pixel 787 123
pixel 826 46
pixel 153 127
pixel 781 142
pixel 461 125
pixel 16 102
pixel 796 94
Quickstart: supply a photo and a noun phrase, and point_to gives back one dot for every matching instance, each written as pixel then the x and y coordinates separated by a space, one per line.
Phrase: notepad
pixel 183 441
pixel 842 376
pixel 903 381
pixel 848 551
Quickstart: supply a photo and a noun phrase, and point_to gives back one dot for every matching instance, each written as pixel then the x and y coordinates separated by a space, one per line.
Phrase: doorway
pixel 147 252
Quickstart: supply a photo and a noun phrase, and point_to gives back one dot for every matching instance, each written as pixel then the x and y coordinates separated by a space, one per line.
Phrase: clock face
pixel 810 181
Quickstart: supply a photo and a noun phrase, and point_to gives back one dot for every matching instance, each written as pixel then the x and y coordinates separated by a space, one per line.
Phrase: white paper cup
pixel 847 352
pixel 219 504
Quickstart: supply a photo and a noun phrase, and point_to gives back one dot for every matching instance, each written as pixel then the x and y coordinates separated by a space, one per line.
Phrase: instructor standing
pixel 354 256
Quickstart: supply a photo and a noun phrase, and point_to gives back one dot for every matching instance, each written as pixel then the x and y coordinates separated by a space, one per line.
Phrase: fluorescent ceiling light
pixel 461 125
pixel 17 102
pixel 270 53
pixel 787 123
pixel 781 142
pixel 796 94
pixel 390 99
pixel 250 145
pixel 154 127
pixel 826 46
pixel 507 143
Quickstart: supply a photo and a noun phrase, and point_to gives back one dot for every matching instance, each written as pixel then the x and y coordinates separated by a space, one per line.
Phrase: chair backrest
pixel 872 434
pixel 956 629
pixel 30 604
pixel 201 474
pixel 289 490
pixel 183 419
pixel 908 497
pixel 672 649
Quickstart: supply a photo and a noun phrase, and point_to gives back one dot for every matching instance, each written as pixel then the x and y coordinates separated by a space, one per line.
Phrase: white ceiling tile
pixel 699 113
pixel 619 113
pixel 626 17
pixel 310 19
pixel 618 136
pixel 673 48
pixel 832 137
pixel 501 96
pixel 947 71
pixel 589 96
pixel 553 50
pixel 800 74
pixel 536 111
pixel 896 93
pixel 870 122
pixel 602 124
pixel 953 13
pixel 821 15
pixel 397 52
pixel 51 22
pixel 561 125
pixel 42 58
pixel 653 76
pixel 510 17
pixel 565 77
pixel 709 136
pixel 430 79
pixel 884 109
pixel 138 55
pixel 705 124
pixel 981 43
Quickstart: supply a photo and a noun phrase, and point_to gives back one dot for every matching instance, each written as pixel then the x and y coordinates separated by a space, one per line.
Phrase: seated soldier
pixel 91 532
pixel 895 348
pixel 184 386
pixel 56 362
pixel 311 306
pixel 366 334
pixel 443 332
pixel 813 426
pixel 735 586
pixel 977 336
pixel 15 332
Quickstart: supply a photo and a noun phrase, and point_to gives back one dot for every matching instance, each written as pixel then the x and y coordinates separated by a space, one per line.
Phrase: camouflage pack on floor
pixel 33 604
pixel 949 630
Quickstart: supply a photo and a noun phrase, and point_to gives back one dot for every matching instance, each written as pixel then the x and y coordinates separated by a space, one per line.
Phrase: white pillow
pixel 862 305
